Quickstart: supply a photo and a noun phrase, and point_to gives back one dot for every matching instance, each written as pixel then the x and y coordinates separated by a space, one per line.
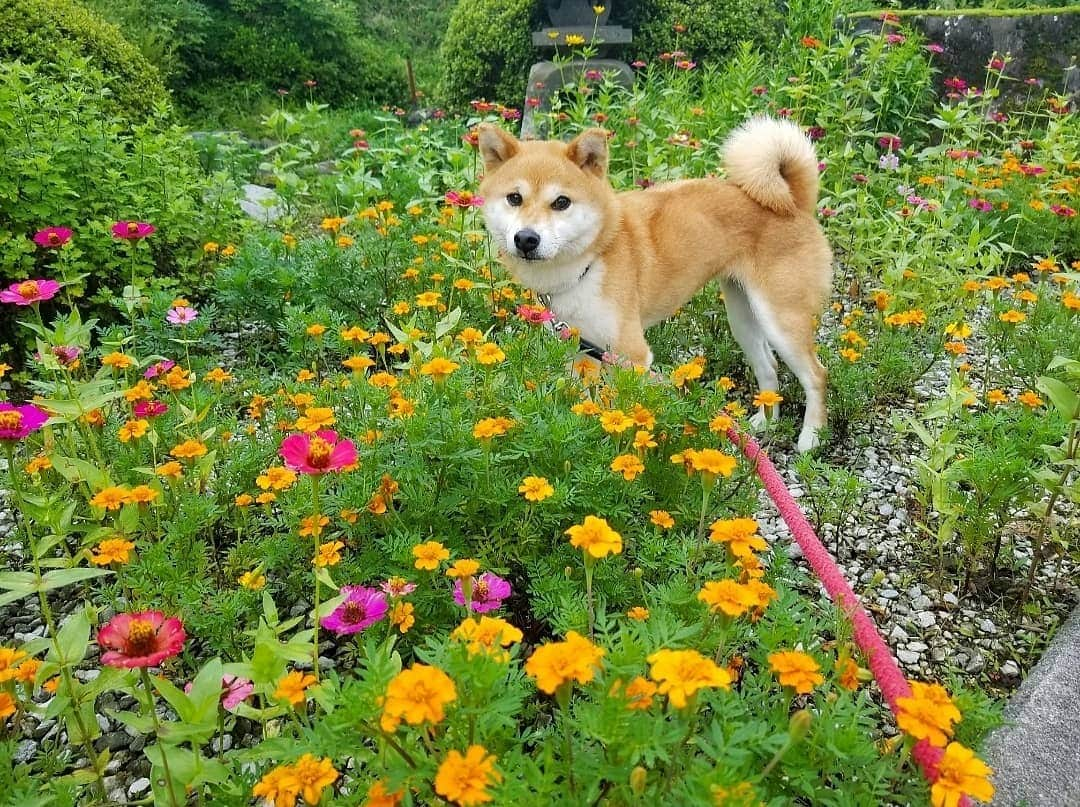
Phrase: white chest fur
pixel 583 306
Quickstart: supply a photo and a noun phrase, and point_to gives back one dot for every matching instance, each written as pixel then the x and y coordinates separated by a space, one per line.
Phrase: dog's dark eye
pixel 560 203
pixel 513 199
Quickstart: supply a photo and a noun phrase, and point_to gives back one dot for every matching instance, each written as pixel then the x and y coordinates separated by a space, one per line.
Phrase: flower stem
pixel 315 573
pixel 157 734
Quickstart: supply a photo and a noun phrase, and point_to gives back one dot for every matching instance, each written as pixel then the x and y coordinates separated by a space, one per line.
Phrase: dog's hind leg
pixel 791 334
pixel 751 337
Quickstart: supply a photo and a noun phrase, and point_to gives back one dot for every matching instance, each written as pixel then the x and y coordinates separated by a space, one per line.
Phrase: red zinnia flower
pixel 317 453
pixel 463 199
pixel 132 230
pixel 52 237
pixel 18 421
pixel 28 292
pixel 142 639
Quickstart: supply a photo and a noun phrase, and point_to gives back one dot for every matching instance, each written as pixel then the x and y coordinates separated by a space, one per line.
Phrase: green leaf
pixel 136 722
pixel 1064 399
pixel 21 582
pixel 76 471
pixel 73 639
pixel 59 578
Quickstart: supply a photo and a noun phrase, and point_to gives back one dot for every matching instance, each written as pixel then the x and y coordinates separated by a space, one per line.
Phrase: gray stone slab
pixel 1036 755
pixel 261 204
pixel 602 35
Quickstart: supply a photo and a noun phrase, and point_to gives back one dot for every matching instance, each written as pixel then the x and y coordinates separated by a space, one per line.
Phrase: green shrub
pixel 45 30
pixel 70 160
pixel 488 49
pixel 713 27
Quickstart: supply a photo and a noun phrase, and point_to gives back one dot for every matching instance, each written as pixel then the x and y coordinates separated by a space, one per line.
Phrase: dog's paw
pixel 759 421
pixel 808 440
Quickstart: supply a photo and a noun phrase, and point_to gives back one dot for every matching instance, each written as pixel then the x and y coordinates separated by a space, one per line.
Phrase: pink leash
pixel 882 665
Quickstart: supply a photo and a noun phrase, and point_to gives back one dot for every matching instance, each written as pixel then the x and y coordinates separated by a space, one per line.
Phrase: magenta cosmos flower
pixel 159 368
pixel 149 409
pixel 181 315
pixel 132 230
pixel 143 639
pixel 18 421
pixel 52 237
pixel 362 607
pixel 28 292
pixel 317 453
pixel 488 592
pixel 234 691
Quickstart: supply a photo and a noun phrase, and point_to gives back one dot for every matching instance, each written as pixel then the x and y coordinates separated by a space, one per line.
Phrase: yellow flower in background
pixel 488 635
pixel 574 40
pixel 960 773
pixel 595 537
pixel 417 695
pixel 638 613
pixel 797 670
pixel 133 430
pixel 767 397
pixel 556 664
pixel 535 488
pixel 629 465
pixel 727 597
pixel 439 368
pixel 276 478
pixel 329 554
pixel 293 687
pixel 464 779
pixel 112 550
pixel 315 418
pixel 1012 316
pixel 662 519
pixel 489 353
pixel 616 421
pixel 681 673
pixel 253 580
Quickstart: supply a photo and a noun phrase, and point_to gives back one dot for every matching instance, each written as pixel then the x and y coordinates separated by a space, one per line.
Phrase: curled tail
pixel 773 162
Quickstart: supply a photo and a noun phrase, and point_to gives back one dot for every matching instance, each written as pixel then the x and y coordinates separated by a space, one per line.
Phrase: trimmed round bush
pixel 488 49
pixel 713 28
pixel 44 31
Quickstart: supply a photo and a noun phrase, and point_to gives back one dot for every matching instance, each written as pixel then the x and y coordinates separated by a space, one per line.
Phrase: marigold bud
pixel 799 725
pixel 637 780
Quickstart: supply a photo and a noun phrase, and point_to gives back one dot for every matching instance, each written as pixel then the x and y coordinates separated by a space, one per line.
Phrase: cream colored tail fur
pixel 774 163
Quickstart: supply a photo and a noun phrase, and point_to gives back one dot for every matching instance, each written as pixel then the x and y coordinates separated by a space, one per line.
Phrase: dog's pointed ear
pixel 496 146
pixel 589 151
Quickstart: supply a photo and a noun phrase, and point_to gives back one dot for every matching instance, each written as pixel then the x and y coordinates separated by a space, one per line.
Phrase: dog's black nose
pixel 526 241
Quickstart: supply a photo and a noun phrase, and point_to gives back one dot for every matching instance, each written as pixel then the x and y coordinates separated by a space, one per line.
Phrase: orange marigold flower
pixel 466 567
pixel 960 773
pixel 329 554
pixel 117 360
pixel 189 450
pixel 535 488
pixel 643 440
pixel 489 353
pixel 315 418
pixel 797 670
pixel 7 705
pixel 629 465
pixel 616 421
pixel 470 337
pixel 218 375
pixel 465 779
pixel 312 525
pixel 767 397
pixel 417 695
pixel 253 580
pixel 710 462
pixel 847 674
pixel 662 519
pixel 639 693
pixel 727 597
pixel 928 714
pixel 1012 316
pixel 429 555
pixel 1030 399
pixel 556 664
pixel 293 687
pixel 278 787
pixel 133 430
pixel 439 368
pixel 488 428
pixel 276 478
pixel 401 616
pixel 996 397
pixel 595 537
pixel 638 613
pixel 740 534
pixel 111 498
pixel 9 660
pixel 313 776
pixel 681 673
pixel 690 371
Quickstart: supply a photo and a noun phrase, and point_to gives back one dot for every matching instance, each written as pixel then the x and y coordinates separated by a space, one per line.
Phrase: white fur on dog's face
pixel 565 235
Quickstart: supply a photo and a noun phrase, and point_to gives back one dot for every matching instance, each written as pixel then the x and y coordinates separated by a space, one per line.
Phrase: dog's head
pixel 546 203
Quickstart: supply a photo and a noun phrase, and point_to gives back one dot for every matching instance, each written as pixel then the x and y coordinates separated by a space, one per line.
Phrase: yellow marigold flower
pixel 489 353
pixel 796 669
pixel 629 465
pixel 914 316
pixel 956 347
pixel 428 299
pixel 332 224
pixel 37 464
pixel 574 40
pixel 463 284
pixel 143 494
pixel 312 525
pixel 7 705
pixel 417 695
pixel 638 693
pixel 142 391
pixel 638 613
pixel 710 462
pixel 616 421
pixel 293 687
pixel 377 796
pixel 358 363
pixel 267 497
pixel 278 787
pixel 111 498
pixel 117 360
pixel 177 379
pixel 276 478
pixel 133 430
pixel 1012 316
pixel 253 580
pixel 315 418
pixel 740 534
pixel 488 635
pixel 681 673
pixel 9 659
pixel 470 336
pixel 288 240
pixel 958 330
pixel 850 354
pixel 847 674
pixel 243 500
pixel 761 594
pixel 354 334
pixel 219 375
pixel 662 519
pixel 727 597
pixel 400 407
pixel 852 338
pixel 535 488
pixel 189 450
pixel 465 779
pixel 491 427
pixel 466 567
pixel 313 776
pixel 26 672
pixel 429 554
pixel 1030 398
pixel 928 714
pixel 401 616
pixel 643 440
pixel 720 424
pixel 344 241
pixel 4 369
pixel 595 537
pixel 690 371
pixel 558 663
pixel 996 397
pixel 439 368
pixel 586 408
pixel 960 773
pixel 329 554
pixel 305 375
pixel 1070 301
pixel 767 398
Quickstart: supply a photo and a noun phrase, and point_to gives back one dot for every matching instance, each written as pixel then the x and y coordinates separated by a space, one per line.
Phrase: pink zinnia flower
pixel 317 453
pixel 1064 211
pixel 815 132
pixel 28 292
pixel 159 368
pixel 463 199
pixel 362 607
pixel 637 64
pixel 18 421
pixel 685 64
pixel 52 237
pixel 535 314
pixel 895 39
pixel 142 639
pixel 981 205
pixel 66 354
pixel 934 47
pixel 488 592
pixel 149 409
pixel 234 691
pixel 132 230
pixel 397 587
pixel 890 142
pixel 181 315
pixel 956 84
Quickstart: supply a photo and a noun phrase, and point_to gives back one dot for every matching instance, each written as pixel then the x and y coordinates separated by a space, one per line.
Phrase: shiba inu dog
pixel 612 264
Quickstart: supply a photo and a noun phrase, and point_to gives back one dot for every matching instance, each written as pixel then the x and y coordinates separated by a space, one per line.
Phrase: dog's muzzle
pixel 527 241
